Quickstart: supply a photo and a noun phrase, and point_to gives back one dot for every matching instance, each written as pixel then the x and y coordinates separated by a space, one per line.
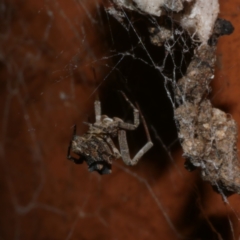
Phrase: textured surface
pixel 207 134
pixel 44 196
pixel 197 17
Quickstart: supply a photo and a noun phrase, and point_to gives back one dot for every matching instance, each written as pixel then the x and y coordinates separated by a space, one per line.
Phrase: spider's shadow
pixel 157 111
pixel 142 83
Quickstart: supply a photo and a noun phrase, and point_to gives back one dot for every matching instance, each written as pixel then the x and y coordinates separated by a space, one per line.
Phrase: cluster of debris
pixel 208 135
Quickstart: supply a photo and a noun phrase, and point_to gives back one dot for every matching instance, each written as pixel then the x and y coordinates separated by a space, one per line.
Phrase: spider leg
pixel 97 108
pixel 116 153
pixel 77 161
pixel 130 126
pixel 122 138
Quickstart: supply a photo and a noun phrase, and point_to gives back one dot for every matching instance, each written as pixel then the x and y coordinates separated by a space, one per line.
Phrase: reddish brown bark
pixel 46 87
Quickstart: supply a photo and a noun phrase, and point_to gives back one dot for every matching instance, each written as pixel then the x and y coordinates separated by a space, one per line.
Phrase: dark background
pixel 49 53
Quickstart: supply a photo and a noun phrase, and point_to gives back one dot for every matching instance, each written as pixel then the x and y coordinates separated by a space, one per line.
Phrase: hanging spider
pixel 97 148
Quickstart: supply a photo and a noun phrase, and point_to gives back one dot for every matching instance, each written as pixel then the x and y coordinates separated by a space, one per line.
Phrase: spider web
pixel 57 57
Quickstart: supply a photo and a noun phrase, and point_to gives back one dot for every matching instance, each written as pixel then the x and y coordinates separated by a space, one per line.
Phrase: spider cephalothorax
pixel 97 148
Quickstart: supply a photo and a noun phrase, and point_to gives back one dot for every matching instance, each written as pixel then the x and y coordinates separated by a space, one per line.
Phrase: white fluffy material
pixel 198 17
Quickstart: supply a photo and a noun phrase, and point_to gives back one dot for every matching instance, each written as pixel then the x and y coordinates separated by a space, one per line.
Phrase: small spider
pixel 96 147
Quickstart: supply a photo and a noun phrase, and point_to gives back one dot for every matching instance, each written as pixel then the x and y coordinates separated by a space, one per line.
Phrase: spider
pixel 97 148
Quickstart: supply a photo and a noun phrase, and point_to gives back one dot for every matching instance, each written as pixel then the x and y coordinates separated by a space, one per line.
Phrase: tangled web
pixel 57 58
